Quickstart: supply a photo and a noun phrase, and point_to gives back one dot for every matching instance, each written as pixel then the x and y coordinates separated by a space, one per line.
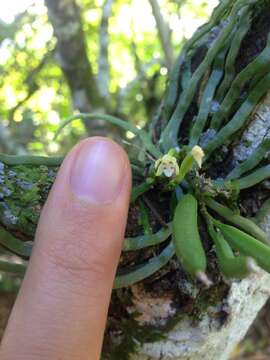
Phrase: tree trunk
pixel 71 53
pixel 169 315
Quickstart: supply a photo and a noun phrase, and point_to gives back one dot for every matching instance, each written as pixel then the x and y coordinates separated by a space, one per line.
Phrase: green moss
pixel 132 335
pixel 23 191
pixel 208 298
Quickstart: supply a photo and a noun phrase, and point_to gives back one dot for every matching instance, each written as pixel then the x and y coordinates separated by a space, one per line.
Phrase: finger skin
pixel 61 308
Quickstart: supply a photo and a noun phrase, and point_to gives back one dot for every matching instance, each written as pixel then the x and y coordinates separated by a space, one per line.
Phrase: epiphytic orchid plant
pixel 178 164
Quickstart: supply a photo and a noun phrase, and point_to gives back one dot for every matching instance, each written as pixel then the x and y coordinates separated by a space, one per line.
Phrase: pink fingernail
pixel 98 171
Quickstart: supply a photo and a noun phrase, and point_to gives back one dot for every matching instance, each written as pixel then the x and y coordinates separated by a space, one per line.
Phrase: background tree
pixel 48 49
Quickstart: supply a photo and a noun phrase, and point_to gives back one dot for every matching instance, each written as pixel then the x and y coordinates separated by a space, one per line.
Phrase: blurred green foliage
pixel 34 94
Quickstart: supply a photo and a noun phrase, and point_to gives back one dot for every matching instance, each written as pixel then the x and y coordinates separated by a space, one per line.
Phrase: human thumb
pixel 61 308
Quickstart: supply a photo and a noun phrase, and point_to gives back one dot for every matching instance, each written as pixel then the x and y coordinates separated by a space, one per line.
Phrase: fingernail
pixel 98 171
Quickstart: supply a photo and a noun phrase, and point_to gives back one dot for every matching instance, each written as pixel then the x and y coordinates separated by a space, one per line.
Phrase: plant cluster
pixel 178 164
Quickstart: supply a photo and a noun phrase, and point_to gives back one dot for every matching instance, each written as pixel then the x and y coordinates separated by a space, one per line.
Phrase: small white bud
pixel 198 154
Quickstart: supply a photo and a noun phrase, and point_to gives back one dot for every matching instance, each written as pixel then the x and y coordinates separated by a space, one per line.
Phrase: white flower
pixel 167 165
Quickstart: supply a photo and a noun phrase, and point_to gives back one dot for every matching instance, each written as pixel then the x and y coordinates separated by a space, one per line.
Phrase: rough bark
pixel 209 339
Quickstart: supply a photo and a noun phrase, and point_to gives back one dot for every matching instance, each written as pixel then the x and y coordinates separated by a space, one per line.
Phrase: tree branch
pixel 164 33
pixel 30 81
pixel 147 83
pixel 103 63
